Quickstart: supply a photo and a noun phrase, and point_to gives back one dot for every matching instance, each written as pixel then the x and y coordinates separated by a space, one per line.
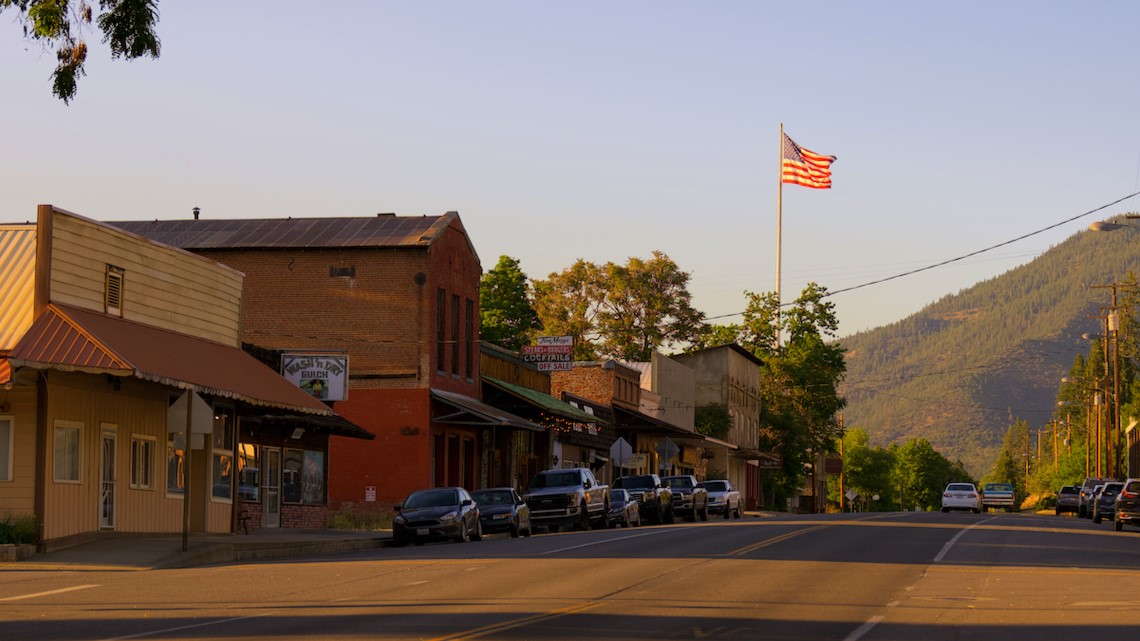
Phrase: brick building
pixel 398 299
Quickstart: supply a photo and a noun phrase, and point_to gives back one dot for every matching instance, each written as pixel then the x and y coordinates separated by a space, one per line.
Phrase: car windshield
pixel 493 497
pixel 1068 489
pixel 555 479
pixel 432 498
pixel 635 482
pixel 960 487
pixel 679 482
pixel 715 486
pixel 1111 489
pixel 999 487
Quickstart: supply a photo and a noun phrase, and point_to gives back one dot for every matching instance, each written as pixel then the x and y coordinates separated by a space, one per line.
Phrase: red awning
pixel 70 339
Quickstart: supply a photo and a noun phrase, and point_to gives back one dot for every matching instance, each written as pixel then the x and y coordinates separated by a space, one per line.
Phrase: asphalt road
pixel 926 576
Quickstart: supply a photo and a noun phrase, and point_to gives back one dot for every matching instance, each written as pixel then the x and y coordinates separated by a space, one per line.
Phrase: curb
pixel 233 552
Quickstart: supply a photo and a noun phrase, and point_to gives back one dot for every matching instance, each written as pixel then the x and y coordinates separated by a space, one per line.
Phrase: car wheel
pixel 529 530
pixel 1058 513
pixel 705 512
pixel 478 535
pixel 738 512
pixel 515 531
pixel 584 518
pixel 1096 517
pixel 1117 525
pixel 670 516
pixel 463 535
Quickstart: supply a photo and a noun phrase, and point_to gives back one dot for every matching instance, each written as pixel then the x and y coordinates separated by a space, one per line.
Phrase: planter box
pixel 12 552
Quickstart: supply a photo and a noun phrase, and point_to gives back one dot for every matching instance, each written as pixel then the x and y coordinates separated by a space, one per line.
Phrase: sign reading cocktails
pixel 552 353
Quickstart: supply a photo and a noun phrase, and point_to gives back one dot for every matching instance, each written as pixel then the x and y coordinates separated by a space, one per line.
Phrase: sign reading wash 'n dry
pixel 552 353
pixel 325 376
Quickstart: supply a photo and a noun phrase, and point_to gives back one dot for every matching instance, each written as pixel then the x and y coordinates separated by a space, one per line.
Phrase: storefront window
pixel 249 474
pixel 303 477
pixel 175 463
pixel 291 476
pixel 223 454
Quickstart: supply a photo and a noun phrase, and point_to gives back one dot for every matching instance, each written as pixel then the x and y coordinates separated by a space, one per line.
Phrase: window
pixel 454 335
pixel 303 477
pixel 249 474
pixel 440 302
pixel 222 461
pixel 142 462
pixel 469 319
pixel 175 463
pixel 67 445
pixel 7 438
pixel 113 295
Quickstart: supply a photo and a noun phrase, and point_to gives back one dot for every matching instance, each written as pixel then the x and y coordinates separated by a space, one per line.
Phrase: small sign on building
pixel 551 354
pixel 324 375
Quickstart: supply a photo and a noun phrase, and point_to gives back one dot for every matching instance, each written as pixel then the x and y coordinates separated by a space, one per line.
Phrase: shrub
pixel 19 530
pixel 352 517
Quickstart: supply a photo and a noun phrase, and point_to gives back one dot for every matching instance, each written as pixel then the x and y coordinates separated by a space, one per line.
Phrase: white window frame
pixel 148 463
pixel 77 426
pixel 7 466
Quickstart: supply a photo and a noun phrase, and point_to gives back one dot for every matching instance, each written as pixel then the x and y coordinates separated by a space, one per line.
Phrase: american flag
pixel 805 167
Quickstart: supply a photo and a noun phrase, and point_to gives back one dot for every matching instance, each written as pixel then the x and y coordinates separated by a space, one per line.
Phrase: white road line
pixel 186 627
pixel 48 593
pixel 604 541
pixel 951 542
pixel 864 629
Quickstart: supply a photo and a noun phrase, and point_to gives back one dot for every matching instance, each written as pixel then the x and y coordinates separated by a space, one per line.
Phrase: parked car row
pixel 1099 499
pixel 555 498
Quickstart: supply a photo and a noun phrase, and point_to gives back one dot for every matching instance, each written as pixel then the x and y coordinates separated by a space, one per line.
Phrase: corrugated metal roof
pixel 542 401
pixel 17 281
pixel 71 339
pixel 292 233
pixel 475 413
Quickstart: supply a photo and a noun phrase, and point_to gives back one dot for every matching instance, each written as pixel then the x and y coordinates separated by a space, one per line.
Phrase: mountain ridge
pixel 961 370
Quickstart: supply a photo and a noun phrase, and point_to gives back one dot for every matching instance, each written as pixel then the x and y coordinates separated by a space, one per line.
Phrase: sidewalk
pixel 153 552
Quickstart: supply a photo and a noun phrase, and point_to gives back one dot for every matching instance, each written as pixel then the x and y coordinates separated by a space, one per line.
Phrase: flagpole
pixel 779 226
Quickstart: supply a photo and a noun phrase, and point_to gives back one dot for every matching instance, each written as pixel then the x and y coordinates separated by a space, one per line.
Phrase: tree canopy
pixel 128 26
pixel 619 311
pixel 507 317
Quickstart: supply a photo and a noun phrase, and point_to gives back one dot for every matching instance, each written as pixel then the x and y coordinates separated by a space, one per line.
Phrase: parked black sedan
pixel 501 509
pixel 438 514
pixel 623 509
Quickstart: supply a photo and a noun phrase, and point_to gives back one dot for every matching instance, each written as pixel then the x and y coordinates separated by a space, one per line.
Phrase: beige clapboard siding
pixel 18 495
pixel 17 282
pixel 162 286
pixel 137 409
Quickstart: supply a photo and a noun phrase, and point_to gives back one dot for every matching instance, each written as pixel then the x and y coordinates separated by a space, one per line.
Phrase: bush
pixel 19 530
pixel 352 517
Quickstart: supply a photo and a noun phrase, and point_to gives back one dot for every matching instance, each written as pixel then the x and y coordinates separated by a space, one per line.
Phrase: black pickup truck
pixel 689 498
pixel 654 498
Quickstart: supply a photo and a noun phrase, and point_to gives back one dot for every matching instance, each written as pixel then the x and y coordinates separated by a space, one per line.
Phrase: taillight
pixel 1129 495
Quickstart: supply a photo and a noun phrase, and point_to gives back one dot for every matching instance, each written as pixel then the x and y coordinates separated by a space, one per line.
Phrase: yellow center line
pixel 518 623
pixel 784 537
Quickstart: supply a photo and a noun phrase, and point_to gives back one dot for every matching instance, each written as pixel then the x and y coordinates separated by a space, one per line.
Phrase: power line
pixel 959 258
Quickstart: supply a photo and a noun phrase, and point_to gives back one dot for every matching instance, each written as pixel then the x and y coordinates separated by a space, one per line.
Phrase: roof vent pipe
pixel 196 212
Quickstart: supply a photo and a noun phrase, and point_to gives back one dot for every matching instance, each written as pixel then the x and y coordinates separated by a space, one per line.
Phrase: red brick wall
pixel 304 516
pixel 397 462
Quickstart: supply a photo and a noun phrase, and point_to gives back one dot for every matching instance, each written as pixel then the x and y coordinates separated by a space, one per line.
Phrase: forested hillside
pixel 960 371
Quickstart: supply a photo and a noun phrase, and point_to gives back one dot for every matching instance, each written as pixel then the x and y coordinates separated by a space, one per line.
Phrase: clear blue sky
pixel 604 130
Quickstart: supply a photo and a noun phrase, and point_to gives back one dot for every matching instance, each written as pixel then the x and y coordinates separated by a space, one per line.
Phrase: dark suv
pixel 1127 509
pixel 1084 510
pixel 1105 501
pixel 654 498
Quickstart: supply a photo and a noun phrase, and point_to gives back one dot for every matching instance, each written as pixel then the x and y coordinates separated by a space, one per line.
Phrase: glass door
pixel 271 514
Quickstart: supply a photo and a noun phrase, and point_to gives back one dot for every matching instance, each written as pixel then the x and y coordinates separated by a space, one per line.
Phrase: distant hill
pixel 961 370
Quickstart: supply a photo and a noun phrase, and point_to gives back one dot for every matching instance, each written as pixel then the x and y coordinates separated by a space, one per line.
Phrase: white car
pixel 961 496
pixel 723 498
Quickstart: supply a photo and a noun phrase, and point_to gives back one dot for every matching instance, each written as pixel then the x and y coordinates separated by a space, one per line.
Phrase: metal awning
pixel 639 423
pixel 544 402
pixel 716 442
pixel 475 413
pixel 77 340
pixel 332 424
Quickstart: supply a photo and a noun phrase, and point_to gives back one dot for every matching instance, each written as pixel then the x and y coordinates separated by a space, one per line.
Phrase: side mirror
pixel 587 484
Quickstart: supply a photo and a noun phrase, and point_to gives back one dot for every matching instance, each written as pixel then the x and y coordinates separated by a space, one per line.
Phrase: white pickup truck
pixel 997 495
pixel 558 498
